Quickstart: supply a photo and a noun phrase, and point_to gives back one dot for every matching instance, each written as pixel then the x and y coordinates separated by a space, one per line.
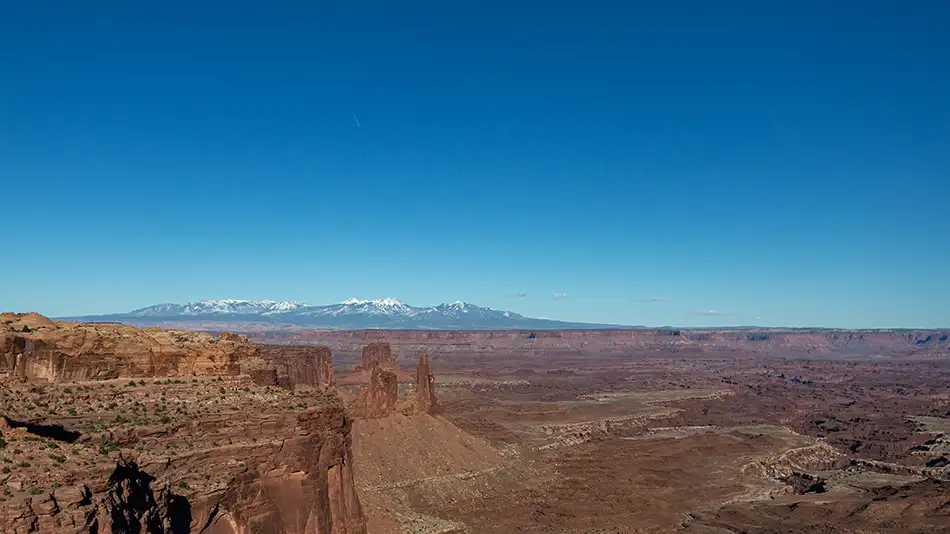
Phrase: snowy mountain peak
pixel 352 313
pixel 221 307
pixel 385 303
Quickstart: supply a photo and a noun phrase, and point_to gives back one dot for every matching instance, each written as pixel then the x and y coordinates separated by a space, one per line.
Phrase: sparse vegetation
pixel 105 448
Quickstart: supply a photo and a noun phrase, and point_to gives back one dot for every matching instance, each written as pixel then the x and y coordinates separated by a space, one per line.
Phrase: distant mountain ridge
pixel 351 314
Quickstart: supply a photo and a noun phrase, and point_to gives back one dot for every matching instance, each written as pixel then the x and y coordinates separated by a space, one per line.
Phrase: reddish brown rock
pixel 274 469
pixel 264 377
pixel 69 351
pixel 235 338
pixel 310 366
pixel 379 397
pixel 426 399
pixel 375 355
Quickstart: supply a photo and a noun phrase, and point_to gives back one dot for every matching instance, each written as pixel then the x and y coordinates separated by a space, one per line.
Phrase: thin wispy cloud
pixel 559 296
pixel 651 299
pixel 515 295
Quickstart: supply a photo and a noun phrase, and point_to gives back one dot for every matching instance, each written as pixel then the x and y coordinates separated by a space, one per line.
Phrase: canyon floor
pixel 666 443
pixel 619 440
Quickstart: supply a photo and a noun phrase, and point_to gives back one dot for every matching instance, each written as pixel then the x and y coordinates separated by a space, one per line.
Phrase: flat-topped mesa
pixel 379 397
pixel 309 366
pixel 34 347
pixel 426 399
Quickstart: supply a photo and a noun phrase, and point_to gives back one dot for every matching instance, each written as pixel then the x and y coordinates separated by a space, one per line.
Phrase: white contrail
pixel 358 125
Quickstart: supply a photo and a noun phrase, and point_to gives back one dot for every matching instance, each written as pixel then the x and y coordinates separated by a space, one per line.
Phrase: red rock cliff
pixel 69 351
pixel 279 471
pixel 311 366
pixel 379 397
pixel 426 399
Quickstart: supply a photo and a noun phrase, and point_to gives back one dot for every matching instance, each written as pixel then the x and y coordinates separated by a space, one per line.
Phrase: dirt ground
pixel 665 443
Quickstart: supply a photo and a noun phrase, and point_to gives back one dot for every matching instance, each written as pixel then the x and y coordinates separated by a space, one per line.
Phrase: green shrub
pixel 105 448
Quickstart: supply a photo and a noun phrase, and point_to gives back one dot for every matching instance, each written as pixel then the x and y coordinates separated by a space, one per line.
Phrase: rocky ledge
pixel 34 347
pixel 106 428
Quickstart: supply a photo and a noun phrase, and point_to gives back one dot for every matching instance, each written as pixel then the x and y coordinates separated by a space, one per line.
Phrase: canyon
pixel 111 428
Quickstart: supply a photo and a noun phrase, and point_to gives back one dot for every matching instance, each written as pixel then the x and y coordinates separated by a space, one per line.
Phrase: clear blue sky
pixel 685 163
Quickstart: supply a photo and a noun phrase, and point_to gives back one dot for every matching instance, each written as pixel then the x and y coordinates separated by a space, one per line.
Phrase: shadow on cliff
pixel 56 432
pixel 133 507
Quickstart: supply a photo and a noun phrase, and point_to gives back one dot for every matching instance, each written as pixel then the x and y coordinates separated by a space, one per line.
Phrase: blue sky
pixel 685 163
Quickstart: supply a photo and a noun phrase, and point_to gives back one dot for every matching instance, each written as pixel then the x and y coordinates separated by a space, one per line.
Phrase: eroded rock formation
pixel 272 469
pixel 310 366
pixel 426 399
pixel 379 397
pixel 33 347
pixel 376 355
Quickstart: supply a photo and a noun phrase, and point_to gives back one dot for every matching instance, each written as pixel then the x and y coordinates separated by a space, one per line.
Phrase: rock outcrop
pixel 426 399
pixel 379 397
pixel 376 355
pixel 231 336
pixel 308 366
pixel 279 467
pixel 33 347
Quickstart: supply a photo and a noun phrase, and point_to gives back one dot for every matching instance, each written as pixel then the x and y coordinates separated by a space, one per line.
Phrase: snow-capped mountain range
pixel 350 314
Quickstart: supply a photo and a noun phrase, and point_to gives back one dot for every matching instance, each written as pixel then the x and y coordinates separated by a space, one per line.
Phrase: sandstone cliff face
pixel 379 397
pixel 69 351
pixel 376 355
pixel 275 468
pixel 310 366
pixel 426 400
pixel 302 483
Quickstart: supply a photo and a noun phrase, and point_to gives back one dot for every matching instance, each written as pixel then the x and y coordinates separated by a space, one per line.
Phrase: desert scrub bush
pixel 106 447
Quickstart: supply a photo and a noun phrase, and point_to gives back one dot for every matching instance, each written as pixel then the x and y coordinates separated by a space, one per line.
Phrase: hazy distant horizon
pixel 124 315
